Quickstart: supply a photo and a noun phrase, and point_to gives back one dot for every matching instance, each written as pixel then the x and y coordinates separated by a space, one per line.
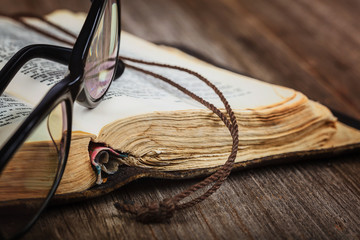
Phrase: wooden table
pixel 310 45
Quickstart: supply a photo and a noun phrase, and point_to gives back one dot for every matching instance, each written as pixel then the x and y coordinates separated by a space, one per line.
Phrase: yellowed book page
pixel 31 82
pixel 135 93
pixel 79 174
pixel 36 77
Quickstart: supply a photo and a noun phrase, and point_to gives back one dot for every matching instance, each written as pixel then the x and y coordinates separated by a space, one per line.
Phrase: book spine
pixel 104 159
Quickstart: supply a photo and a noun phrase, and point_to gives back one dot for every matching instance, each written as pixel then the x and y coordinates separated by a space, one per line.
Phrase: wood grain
pixel 310 45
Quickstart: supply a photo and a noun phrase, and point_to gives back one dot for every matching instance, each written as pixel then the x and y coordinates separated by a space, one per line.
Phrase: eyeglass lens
pixel 101 59
pixel 29 176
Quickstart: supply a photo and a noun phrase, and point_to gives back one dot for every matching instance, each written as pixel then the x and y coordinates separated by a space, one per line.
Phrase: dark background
pixel 310 45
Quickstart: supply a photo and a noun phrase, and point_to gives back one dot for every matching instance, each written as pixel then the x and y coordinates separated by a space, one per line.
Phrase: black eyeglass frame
pixel 68 90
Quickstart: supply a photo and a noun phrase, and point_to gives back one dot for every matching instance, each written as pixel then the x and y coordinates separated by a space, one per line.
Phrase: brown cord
pixel 166 208
pixel 160 211
pixel 19 18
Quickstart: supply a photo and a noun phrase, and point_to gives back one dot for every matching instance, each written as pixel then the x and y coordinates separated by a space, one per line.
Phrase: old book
pixel 159 131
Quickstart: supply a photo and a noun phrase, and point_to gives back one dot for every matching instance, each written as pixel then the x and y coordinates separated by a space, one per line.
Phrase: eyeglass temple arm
pixel 53 53
pixel 50 52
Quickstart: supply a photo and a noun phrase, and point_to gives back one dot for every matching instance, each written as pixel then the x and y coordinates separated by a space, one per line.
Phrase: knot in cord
pixel 150 212
pixel 156 212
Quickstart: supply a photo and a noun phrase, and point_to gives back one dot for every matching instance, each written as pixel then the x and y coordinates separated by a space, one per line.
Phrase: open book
pixel 159 131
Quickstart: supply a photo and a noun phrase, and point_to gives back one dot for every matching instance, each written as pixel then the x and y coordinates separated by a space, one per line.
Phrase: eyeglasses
pixel 26 188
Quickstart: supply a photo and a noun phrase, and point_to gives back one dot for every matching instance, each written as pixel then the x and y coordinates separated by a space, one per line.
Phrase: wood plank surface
pixel 310 45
